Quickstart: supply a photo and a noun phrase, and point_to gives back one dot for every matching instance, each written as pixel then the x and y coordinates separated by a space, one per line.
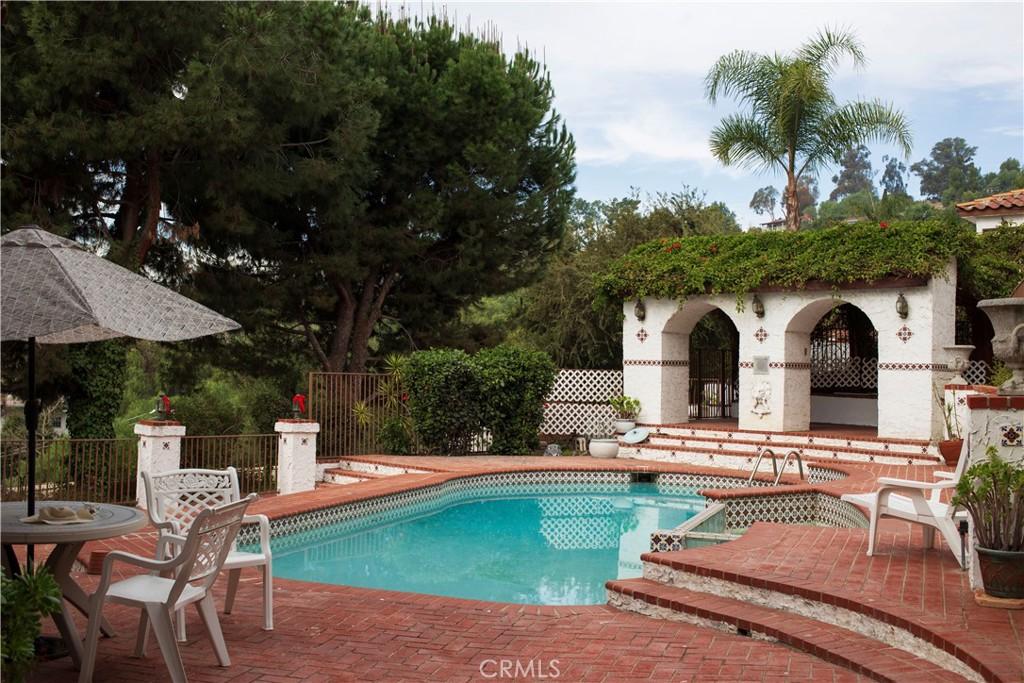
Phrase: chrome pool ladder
pixel 775 468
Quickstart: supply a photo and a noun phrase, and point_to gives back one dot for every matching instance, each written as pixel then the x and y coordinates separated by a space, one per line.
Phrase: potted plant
pixel 950 446
pixel 626 409
pixel 992 491
pixel 27 598
pixel 603 442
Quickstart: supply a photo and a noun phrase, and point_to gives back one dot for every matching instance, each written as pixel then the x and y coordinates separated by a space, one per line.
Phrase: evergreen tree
pixel 854 174
pixel 949 173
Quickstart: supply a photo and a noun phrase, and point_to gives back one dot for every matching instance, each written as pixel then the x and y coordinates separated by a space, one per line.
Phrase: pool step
pixel 340 475
pixel 858 653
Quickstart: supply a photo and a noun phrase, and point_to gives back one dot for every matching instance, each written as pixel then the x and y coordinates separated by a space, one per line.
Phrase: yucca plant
pixel 992 491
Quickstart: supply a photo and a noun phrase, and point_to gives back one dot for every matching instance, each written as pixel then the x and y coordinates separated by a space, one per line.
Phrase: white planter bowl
pixel 603 448
pixel 623 426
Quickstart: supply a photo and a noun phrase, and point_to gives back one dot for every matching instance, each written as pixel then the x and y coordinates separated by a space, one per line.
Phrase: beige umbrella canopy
pixel 60 293
pixel 53 291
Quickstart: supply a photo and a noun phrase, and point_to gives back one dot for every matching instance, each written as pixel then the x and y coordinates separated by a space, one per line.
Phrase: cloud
pixel 1012 131
pixel 653 131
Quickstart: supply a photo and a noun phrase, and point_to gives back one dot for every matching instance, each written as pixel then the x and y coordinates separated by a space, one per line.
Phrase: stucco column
pixel 159 451
pixel 296 455
pixel 655 363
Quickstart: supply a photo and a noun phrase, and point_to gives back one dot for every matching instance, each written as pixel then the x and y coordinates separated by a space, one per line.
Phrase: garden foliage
pixel 990 264
pixel 513 384
pixel 992 491
pixel 453 397
pixel 24 600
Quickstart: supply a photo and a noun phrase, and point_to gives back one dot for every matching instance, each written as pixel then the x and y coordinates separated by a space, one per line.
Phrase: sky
pixel 628 80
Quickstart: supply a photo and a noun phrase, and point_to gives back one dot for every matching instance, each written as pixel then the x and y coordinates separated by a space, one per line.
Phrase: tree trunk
pixel 355 321
pixel 792 201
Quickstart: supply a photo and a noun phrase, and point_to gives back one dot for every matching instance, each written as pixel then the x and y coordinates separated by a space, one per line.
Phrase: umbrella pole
pixel 31 423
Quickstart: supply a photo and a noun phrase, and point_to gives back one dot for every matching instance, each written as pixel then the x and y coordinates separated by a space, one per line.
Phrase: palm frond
pixel 857 123
pixel 736 73
pixel 744 141
pixel 829 46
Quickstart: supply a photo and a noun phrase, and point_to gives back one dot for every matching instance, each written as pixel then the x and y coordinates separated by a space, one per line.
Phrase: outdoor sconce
pixel 757 306
pixel 640 311
pixel 902 307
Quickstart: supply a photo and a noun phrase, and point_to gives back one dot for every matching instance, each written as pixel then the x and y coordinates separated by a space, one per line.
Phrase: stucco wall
pixel 851 410
pixel 774 373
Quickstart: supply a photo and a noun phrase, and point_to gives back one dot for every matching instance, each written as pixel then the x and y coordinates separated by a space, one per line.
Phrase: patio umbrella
pixel 54 291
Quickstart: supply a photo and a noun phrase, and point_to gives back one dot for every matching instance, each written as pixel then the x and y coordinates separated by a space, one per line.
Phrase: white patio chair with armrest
pixel 174 498
pixel 171 585
pixel 919 502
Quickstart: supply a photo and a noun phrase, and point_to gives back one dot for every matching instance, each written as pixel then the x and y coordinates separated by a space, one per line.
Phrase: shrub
pixel 514 383
pixel 625 407
pixel 26 599
pixel 992 491
pixel 444 399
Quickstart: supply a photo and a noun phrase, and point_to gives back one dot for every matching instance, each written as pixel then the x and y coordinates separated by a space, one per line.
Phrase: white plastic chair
pixel 175 498
pixel 171 586
pixel 918 502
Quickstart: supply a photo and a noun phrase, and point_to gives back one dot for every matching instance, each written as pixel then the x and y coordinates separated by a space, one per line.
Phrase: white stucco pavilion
pixel 774 387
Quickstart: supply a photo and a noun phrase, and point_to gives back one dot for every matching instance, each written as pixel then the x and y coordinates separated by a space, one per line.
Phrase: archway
pixel 839 345
pixel 708 337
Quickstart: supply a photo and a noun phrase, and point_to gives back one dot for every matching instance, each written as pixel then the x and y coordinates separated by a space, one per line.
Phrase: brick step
pixel 781 446
pixel 858 653
pixel 694 429
pixel 723 571
pixel 744 459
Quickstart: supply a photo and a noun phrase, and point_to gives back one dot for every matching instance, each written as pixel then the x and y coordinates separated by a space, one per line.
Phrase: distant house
pixel 989 212
pixel 780 223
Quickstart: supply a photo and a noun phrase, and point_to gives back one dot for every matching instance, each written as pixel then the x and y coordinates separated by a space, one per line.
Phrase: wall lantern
pixel 640 311
pixel 902 307
pixel 757 306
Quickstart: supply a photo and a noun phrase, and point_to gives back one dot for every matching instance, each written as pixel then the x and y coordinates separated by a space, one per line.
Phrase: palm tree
pixel 794 121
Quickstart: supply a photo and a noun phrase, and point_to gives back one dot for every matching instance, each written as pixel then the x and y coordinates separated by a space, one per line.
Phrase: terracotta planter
pixel 950 449
pixel 1002 572
pixel 603 448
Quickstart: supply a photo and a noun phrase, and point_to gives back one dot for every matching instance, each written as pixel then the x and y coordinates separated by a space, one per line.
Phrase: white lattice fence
pixel 860 373
pixel 578 403
pixel 977 372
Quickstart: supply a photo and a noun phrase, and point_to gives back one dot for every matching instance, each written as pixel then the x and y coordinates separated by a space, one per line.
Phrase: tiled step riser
pixel 802 439
pixel 372 467
pixel 744 461
pixel 334 478
pixel 626 603
pixel 887 634
pixel 815 450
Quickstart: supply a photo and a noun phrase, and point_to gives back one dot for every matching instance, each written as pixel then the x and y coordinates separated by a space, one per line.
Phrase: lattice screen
pixel 578 403
pixel 853 373
pixel 977 372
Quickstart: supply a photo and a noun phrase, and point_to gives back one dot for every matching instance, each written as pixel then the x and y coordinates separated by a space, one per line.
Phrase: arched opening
pixel 714 367
pixel 841 345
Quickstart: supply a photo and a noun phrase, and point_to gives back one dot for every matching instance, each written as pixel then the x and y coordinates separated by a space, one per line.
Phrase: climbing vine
pixel 674 268
pixel 98 375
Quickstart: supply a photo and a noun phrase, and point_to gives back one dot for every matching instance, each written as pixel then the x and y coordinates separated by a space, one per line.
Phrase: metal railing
pixel 99 470
pixel 253 455
pixel 775 468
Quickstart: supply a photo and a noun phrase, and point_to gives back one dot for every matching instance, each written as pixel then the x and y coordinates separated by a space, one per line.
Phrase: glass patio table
pixel 110 521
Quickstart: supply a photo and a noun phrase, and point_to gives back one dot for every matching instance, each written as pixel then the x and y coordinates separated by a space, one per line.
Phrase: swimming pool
pixel 540 543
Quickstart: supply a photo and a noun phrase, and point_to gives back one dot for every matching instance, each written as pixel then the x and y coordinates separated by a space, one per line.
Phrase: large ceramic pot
pixel 950 449
pixel 1002 572
pixel 603 448
pixel 1007 316
pixel 622 426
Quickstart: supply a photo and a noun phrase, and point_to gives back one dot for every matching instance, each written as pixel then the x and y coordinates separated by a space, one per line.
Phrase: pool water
pixel 523 546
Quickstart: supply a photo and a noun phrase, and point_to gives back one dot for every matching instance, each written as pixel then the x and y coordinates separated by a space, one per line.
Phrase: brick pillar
pixel 159 451
pixel 296 455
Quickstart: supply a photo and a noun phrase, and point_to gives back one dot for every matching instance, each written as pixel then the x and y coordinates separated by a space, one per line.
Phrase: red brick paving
pixel 327 633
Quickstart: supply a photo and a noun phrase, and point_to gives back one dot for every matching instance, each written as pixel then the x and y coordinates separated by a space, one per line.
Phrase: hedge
pixel 513 384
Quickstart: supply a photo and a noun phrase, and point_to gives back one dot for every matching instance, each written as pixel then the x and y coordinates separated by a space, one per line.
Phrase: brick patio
pixel 326 633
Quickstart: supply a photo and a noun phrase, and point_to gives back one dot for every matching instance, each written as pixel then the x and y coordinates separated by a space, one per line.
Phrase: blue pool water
pixel 536 546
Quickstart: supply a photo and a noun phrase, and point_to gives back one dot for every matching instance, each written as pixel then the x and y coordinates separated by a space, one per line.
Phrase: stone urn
pixel 959 360
pixel 1007 316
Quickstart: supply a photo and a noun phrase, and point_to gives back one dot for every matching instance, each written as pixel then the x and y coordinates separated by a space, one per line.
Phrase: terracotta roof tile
pixel 1004 201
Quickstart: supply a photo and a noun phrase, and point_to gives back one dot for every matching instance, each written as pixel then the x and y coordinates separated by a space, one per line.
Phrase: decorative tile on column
pixel 642 335
pixel 760 335
pixel 1012 435
pixel 904 334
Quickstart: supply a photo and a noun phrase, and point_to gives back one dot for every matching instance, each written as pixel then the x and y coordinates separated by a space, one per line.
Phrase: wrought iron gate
pixel 713 383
